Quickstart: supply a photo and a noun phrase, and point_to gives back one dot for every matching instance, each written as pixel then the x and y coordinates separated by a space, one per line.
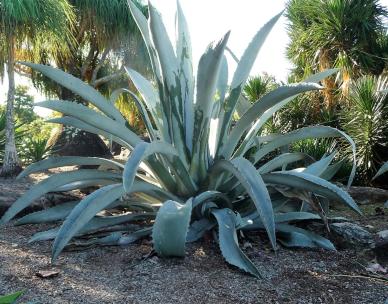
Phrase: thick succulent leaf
pixel 243 105
pixel 93 118
pixel 295 216
pixel 319 167
pixel 332 170
pixel 254 185
pixel 184 57
pixel 52 214
pixel 242 72
pixel 249 138
pixel 172 98
pixel 198 228
pixel 83 213
pixel 163 46
pixel 152 100
pixel 141 108
pixel 230 249
pixel 55 162
pixel 280 218
pixel 84 184
pixel 207 79
pixel 291 236
pixel 170 228
pixel 252 118
pixel 51 183
pixel 134 236
pixel 305 133
pixel 282 160
pixel 142 24
pixel 311 183
pixel 211 196
pixel 144 150
pixel 95 225
pixel 80 88
pixel 216 118
pixel 382 170
pixel 76 123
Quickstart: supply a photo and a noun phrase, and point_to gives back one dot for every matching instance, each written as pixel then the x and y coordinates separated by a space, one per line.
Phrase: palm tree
pixel 102 48
pixel 34 26
pixel 348 34
pixel 258 86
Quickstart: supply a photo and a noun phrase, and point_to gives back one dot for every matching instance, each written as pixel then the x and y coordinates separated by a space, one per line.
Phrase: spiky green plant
pixel 192 177
pixel 366 121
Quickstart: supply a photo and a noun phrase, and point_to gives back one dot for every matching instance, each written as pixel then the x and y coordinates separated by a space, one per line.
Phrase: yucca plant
pixel 366 121
pixel 192 177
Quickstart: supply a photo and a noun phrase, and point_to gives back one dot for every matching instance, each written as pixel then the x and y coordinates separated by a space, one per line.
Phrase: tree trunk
pixel 11 163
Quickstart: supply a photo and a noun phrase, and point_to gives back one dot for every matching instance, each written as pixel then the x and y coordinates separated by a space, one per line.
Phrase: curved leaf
pixel 291 236
pixel 252 117
pixel 319 167
pixel 51 183
pixel 142 110
pixel 152 100
pixel 95 225
pixel 93 118
pixel 83 213
pixel 62 161
pixel 281 160
pixel 311 183
pixel 184 57
pixel 232 253
pixel 207 78
pixel 144 150
pixel 79 124
pixel 252 182
pixel 382 170
pixel 80 88
pixel 170 228
pixel 52 214
pixel 241 74
pixel 305 133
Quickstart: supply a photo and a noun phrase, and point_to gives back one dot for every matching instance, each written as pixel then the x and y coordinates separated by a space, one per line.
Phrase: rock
pixel 368 195
pixel 349 234
pixel 383 235
pixel 46 201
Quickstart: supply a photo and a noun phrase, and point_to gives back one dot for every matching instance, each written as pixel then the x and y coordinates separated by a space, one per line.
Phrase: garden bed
pixel 131 275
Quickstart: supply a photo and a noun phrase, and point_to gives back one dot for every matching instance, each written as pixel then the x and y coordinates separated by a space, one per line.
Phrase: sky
pixel 209 20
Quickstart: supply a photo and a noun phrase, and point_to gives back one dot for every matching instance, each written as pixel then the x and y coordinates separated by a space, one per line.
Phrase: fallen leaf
pixel 46 274
pixel 376 267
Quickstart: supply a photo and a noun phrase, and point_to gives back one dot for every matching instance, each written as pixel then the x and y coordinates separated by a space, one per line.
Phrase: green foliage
pixel 11 298
pixel 348 34
pixel 366 120
pixel 194 175
pixel 43 24
pixel 32 132
pixel 258 86
pixel 34 150
pixel 24 106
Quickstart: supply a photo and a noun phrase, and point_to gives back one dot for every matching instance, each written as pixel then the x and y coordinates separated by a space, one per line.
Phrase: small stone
pixel 352 234
pixel 383 234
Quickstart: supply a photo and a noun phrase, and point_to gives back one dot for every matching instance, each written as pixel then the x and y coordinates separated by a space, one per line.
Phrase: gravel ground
pixel 125 275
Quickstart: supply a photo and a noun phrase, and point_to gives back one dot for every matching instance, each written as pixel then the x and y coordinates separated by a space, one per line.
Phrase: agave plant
pixel 192 176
